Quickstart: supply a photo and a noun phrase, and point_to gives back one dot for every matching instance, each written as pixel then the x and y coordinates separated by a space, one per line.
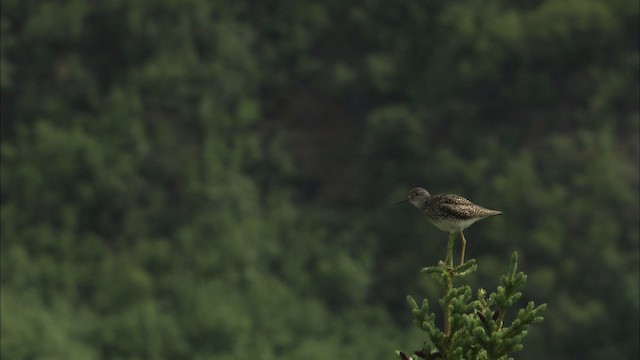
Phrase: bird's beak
pixel 400 202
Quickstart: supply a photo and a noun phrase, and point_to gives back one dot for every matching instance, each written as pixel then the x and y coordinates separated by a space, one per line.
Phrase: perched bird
pixel 448 212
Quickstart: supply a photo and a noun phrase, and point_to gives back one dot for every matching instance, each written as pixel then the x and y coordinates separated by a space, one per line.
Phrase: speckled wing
pixel 460 208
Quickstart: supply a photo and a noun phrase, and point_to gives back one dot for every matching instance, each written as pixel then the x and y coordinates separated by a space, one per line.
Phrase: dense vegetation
pixel 211 179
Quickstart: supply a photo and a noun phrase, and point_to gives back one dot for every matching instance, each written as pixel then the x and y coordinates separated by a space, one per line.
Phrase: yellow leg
pixel 464 247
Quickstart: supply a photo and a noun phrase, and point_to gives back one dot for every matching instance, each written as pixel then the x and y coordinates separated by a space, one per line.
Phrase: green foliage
pixel 210 179
pixel 34 330
pixel 474 329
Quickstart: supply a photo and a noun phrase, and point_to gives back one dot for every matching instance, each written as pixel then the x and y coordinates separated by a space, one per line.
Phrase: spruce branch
pixel 473 328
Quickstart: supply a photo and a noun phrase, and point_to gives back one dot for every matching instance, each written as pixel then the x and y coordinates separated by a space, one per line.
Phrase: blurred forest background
pixel 192 179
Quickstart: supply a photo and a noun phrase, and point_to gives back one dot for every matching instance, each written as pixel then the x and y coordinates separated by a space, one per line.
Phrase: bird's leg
pixel 464 247
pixel 448 261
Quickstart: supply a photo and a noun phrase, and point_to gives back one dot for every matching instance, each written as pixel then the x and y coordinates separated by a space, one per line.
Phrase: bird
pixel 449 212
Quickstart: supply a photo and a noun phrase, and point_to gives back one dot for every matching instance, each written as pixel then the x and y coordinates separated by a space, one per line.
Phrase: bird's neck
pixel 420 203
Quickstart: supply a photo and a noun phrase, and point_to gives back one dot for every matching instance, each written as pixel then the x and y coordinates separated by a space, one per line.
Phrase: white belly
pixel 453 226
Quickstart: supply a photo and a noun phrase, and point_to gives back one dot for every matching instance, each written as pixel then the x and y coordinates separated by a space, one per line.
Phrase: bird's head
pixel 417 196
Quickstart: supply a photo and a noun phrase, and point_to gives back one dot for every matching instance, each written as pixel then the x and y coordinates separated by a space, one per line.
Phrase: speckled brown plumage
pixel 448 212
